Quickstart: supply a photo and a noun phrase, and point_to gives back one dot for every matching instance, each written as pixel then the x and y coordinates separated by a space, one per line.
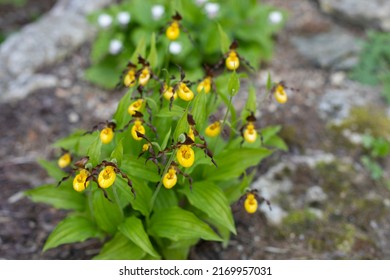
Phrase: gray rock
pixel 24 84
pixel 336 49
pixel 366 13
pixel 276 183
pixel 315 194
pixel 334 106
pixel 44 42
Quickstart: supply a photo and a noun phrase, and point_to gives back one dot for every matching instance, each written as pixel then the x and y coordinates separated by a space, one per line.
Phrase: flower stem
pixel 228 108
pixel 154 197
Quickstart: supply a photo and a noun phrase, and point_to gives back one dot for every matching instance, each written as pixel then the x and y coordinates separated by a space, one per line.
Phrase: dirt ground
pixel 29 126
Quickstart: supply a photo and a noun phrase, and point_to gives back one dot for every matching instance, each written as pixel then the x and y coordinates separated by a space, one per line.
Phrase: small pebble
pixel 337 78
pixel 73 117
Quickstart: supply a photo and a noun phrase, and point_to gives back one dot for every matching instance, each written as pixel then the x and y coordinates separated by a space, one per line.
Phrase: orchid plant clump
pixel 163 172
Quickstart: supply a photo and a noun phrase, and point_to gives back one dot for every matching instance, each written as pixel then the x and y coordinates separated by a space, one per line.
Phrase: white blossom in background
pixel 211 9
pixel 200 2
pixel 123 18
pixel 275 17
pixel 157 11
pixel 115 46
pixel 104 20
pixel 175 47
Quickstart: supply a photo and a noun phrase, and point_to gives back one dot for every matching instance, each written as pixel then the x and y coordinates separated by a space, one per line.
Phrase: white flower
pixel 115 47
pixel 212 9
pixel 123 18
pixel 157 11
pixel 200 2
pixel 175 47
pixel 275 17
pixel 104 20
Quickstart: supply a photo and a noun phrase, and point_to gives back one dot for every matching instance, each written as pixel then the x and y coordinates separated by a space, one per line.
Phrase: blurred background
pixel 330 192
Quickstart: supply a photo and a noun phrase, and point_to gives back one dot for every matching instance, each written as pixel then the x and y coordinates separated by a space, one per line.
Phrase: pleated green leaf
pixel 143 195
pixel 153 57
pixel 63 197
pixel 52 169
pixel 224 40
pixel 137 168
pixel 95 151
pixel 117 153
pixel 165 199
pixel 133 229
pixel 177 224
pixel 210 199
pixel 76 142
pixel 232 163
pixel 120 248
pixel 199 109
pixel 107 214
pixel 181 127
pixel 72 229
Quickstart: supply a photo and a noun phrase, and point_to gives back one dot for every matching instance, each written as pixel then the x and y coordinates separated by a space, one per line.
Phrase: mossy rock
pixel 345 239
pixel 300 221
pixel 336 177
pixel 372 120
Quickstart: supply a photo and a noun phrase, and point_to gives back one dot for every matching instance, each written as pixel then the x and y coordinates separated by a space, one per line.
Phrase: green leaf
pixel 120 248
pixel 124 194
pixel 153 57
pixel 175 112
pixel 142 12
pixel 165 199
pixel 100 46
pixel 269 132
pixel 121 116
pixel 117 153
pixel 178 250
pixel 140 50
pixel 182 126
pixel 143 195
pixel 94 151
pixel 76 142
pixel 137 168
pixel 52 169
pixel 133 229
pixel 102 75
pixel 210 199
pixel 166 139
pixel 63 197
pixel 152 104
pixel 199 109
pixel 225 234
pixel 72 229
pixel 233 84
pixel 107 214
pixel 276 142
pixel 224 39
pixel 271 139
pixel 236 188
pixel 177 224
pixel 250 105
pixel 143 198
pixel 232 163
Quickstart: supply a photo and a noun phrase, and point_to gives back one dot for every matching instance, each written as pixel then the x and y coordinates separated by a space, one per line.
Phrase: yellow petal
pixel 106 135
pixel 185 156
pixel 106 177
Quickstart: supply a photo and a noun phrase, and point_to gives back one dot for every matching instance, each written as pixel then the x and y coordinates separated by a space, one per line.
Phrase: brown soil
pixel 29 127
